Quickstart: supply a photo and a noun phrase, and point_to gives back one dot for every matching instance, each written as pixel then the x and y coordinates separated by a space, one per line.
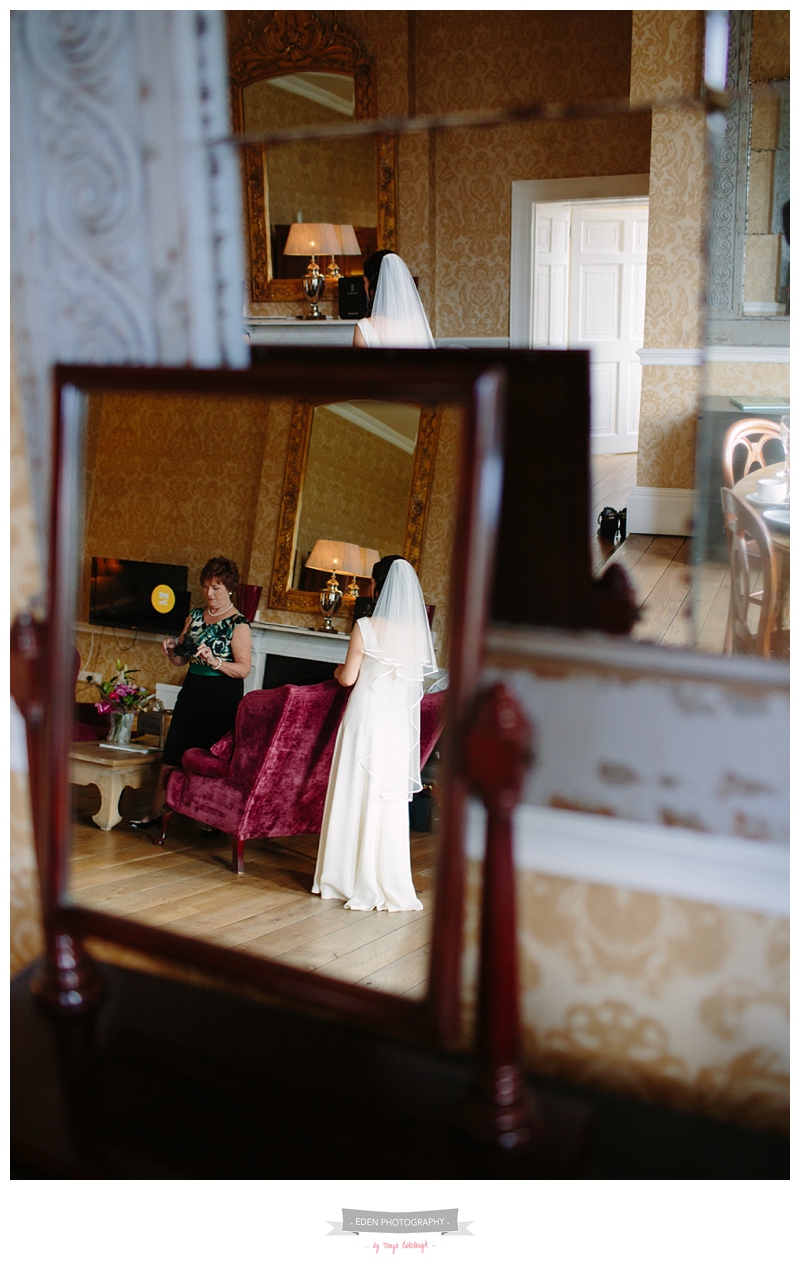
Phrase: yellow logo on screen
pixel 163 599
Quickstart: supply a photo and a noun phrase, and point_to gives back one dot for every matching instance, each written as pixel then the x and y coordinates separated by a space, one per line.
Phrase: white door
pixel 590 269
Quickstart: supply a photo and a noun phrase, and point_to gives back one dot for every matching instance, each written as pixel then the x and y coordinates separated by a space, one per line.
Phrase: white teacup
pixel 772 489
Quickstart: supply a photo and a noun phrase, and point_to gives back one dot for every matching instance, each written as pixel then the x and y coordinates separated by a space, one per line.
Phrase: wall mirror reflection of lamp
pixel 293 70
pixel 312 240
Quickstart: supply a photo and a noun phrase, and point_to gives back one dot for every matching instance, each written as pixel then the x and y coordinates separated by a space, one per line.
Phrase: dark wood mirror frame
pixel 282 596
pixel 68 979
pixel 288 43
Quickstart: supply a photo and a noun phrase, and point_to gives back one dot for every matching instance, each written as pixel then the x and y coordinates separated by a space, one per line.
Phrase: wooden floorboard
pixel 186 887
pixel 679 606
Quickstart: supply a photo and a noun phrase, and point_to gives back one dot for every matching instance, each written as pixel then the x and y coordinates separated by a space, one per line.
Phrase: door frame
pixel 524 196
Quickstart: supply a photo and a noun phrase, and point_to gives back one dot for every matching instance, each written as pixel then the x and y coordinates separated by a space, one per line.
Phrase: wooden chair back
pixel 753 435
pixel 750 551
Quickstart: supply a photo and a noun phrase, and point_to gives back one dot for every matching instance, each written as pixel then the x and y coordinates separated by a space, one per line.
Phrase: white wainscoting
pixel 708 868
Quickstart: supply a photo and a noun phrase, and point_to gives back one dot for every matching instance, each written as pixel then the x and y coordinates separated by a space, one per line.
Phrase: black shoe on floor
pixel 155 823
pixel 209 832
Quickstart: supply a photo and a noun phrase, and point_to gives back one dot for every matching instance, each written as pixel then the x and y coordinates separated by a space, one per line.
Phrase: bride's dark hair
pixel 372 267
pixel 380 570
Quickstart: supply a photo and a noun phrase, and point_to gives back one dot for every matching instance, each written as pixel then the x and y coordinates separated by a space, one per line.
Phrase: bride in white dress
pixel 396 315
pixel 364 848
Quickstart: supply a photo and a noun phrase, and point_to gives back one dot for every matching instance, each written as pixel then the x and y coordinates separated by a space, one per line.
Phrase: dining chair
pixel 753 435
pixel 750 552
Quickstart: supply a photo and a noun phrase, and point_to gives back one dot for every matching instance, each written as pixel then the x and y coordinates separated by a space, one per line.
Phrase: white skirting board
pixel 708 868
pixel 652 510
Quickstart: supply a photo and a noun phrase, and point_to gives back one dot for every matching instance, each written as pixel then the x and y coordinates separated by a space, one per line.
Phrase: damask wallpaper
pixel 665 60
pixel 771 45
pixel 651 996
pixel 753 378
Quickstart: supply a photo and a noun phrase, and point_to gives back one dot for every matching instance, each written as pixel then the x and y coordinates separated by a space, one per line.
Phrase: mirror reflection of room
pixel 319 182
pixel 356 487
pixel 140 587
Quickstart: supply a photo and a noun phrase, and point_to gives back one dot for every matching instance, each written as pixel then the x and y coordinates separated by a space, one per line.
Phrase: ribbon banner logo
pixel 365 1221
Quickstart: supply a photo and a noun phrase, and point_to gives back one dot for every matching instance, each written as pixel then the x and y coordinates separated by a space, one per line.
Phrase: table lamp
pixel 312 239
pixel 328 554
pixel 348 246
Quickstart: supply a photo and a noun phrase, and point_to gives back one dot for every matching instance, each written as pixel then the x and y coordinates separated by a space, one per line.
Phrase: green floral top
pixel 217 635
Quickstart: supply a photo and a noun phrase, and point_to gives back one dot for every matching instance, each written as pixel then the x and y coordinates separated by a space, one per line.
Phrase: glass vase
pixel 120 728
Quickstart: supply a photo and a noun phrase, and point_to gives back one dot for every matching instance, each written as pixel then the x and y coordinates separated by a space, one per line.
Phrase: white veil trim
pixel 398 637
pixel 398 317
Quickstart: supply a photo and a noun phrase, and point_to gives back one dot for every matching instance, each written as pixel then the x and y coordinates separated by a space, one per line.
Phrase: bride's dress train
pixel 364 853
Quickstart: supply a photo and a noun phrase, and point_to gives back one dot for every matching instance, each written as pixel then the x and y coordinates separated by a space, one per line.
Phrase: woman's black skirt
pixel 204 711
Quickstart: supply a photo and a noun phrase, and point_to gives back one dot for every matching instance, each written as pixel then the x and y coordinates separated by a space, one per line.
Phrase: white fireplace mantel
pixel 292 641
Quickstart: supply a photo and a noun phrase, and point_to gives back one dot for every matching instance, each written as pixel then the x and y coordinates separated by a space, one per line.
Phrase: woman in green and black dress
pixel 206 706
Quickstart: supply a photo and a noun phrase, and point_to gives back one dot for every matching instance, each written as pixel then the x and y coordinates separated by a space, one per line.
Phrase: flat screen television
pixel 138 595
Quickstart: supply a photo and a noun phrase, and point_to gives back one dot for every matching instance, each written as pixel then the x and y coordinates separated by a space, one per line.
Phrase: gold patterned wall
pixel 172 479
pixel 771 44
pixel 722 379
pixel 485 62
pixel 666 61
pixel 651 996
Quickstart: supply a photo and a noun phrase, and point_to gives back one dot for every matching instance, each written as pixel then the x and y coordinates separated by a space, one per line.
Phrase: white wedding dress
pixel 364 849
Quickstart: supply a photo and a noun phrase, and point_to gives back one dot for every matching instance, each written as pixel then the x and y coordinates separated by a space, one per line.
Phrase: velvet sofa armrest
pixel 203 763
pixel 223 748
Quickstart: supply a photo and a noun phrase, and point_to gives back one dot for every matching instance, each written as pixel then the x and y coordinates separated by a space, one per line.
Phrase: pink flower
pixel 103 707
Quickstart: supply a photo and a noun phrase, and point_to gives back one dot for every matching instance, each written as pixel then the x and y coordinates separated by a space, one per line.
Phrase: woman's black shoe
pixel 155 823
pixel 208 831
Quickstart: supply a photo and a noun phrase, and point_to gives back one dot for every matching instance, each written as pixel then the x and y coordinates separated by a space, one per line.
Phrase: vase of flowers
pixel 120 698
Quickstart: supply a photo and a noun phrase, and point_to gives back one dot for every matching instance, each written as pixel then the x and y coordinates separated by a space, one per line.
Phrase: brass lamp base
pixel 313 287
pixel 330 598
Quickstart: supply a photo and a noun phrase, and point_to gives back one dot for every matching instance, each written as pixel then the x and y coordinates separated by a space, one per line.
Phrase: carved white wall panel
pixel 126 227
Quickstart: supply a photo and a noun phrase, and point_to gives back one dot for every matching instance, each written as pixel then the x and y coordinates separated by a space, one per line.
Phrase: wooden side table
pixel 111 771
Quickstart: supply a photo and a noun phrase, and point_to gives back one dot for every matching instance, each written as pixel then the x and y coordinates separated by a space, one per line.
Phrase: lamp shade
pixel 329 555
pixel 307 238
pixel 348 241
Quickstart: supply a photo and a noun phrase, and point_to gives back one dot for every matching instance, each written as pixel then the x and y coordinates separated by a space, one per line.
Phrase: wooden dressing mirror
pixel 290 71
pixel 114 909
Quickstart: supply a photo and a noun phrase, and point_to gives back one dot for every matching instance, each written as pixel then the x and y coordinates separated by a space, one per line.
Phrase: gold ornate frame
pixel 282 596
pixel 292 41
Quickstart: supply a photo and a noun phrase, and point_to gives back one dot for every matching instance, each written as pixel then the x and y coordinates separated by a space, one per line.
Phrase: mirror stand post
pixel 67 980
pixel 497 753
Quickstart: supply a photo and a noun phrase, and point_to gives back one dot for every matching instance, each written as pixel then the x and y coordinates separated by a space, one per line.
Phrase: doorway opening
pixel 578 275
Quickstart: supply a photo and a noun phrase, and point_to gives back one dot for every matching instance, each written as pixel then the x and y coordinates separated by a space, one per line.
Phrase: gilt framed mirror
pixel 292 71
pixel 116 891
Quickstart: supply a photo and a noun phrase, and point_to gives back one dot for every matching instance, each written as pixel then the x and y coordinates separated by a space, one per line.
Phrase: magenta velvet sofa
pixel 268 779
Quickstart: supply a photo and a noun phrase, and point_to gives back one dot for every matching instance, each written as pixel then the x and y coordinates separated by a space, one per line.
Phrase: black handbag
pixel 612 525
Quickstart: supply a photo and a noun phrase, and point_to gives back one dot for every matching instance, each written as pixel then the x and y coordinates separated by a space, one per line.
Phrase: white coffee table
pixel 111 771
